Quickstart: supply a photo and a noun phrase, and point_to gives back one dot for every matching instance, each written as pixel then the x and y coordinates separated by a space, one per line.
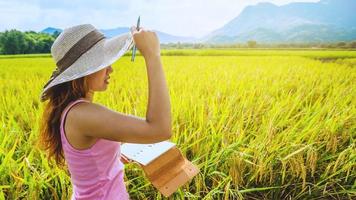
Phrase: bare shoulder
pixel 84 112
pixel 85 107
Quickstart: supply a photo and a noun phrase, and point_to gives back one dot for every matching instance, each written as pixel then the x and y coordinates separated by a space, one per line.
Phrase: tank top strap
pixel 65 111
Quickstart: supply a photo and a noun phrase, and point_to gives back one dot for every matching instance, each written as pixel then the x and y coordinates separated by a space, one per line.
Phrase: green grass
pixel 262 124
pixel 317 53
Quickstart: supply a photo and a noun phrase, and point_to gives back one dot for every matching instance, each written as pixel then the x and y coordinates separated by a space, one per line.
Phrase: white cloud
pixel 183 17
pixel 18 15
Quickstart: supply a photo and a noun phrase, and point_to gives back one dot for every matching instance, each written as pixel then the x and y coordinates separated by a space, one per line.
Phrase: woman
pixel 88 135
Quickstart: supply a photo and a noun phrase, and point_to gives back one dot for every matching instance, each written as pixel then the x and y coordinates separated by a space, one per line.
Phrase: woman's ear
pixel 110 69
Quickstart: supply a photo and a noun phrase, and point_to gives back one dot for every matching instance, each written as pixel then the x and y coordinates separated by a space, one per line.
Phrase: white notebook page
pixel 145 153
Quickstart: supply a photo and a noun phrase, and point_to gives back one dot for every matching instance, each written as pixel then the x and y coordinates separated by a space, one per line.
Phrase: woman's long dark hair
pixel 59 97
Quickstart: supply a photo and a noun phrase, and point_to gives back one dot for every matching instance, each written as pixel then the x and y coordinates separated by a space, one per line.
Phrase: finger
pixel 124 159
pixel 140 29
pixel 133 29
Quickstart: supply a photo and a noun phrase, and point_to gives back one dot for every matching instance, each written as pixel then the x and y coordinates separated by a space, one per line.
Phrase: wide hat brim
pixel 101 55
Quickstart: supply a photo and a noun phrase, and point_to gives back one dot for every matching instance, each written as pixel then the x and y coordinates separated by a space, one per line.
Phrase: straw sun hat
pixel 82 50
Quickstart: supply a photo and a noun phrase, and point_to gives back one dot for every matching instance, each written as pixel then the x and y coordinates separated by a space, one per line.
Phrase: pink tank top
pixel 96 172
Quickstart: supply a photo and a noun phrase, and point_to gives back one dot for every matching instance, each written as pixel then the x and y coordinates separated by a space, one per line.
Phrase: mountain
pixel 163 37
pixel 167 38
pixel 51 30
pixel 323 21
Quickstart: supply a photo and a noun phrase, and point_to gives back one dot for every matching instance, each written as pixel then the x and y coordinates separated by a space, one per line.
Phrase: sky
pixel 194 18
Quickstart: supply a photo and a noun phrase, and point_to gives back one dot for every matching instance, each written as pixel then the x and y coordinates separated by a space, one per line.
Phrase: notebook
pixel 145 153
pixel 163 163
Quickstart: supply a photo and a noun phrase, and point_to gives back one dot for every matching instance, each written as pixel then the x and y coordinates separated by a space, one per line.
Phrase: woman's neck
pixel 89 96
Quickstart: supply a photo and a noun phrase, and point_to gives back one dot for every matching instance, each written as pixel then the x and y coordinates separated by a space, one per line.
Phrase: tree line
pixel 17 42
pixel 29 42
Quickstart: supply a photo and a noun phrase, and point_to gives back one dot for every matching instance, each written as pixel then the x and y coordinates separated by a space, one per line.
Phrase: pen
pixel 134 48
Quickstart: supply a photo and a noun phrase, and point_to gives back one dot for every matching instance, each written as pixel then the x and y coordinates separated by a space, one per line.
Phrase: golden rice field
pixel 260 124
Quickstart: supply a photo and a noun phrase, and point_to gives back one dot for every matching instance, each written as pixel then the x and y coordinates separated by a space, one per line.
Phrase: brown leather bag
pixel 169 171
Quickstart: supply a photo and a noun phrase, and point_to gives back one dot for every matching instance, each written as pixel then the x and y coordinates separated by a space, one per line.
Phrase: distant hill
pixel 163 37
pixel 51 30
pixel 168 38
pixel 324 21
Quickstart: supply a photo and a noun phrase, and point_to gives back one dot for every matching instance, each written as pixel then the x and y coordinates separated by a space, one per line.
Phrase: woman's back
pixel 96 172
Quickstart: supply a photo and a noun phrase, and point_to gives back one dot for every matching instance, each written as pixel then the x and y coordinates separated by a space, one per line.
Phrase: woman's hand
pixel 147 42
